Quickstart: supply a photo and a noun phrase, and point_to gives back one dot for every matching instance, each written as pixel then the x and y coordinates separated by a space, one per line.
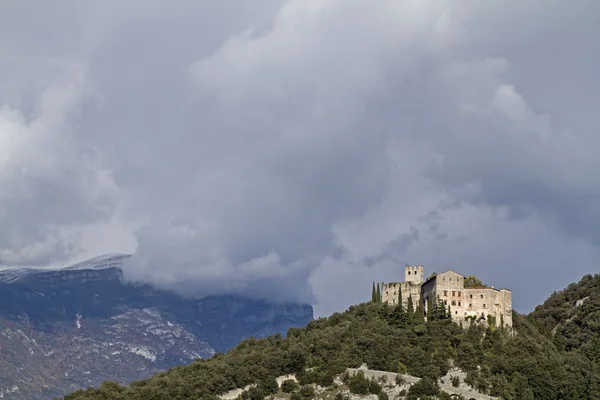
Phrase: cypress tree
pixel 378 294
pixel 411 307
pixel 429 313
pixel 420 313
pixel 373 294
pixel 400 298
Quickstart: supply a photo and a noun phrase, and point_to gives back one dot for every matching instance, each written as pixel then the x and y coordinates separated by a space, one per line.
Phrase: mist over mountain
pixel 74 327
pixel 268 148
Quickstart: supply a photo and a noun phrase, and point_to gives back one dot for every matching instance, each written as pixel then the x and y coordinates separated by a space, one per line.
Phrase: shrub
pixel 296 396
pixel 253 393
pixel 358 384
pixel 307 392
pixel 402 369
pixel 307 377
pixel 324 380
pixel 268 386
pixel 289 385
pixel 374 387
pixel 425 387
pixel 400 380
pixel 383 396
pixel 455 381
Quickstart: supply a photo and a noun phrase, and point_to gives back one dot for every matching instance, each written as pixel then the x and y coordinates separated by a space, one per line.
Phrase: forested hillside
pixel 527 365
pixel 571 318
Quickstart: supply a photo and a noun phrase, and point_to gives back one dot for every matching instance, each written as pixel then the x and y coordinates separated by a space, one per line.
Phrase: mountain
pixel 75 327
pixel 520 364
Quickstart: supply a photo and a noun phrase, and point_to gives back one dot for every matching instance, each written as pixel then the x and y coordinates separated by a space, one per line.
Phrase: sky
pixel 299 150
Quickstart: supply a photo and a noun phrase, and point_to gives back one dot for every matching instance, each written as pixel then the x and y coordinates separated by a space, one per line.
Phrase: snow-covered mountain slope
pixel 12 275
pixel 63 329
pixel 100 262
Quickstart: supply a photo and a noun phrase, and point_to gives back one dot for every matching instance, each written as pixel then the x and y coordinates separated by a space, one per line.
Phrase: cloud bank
pixel 298 150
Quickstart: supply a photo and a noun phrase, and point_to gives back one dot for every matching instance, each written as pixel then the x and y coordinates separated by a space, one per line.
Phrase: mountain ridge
pixel 73 327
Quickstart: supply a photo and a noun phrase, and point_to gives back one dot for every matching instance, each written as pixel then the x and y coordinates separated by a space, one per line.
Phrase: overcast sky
pixel 298 150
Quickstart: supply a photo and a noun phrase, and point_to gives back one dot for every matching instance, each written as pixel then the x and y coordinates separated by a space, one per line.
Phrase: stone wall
pixel 390 293
pixel 464 303
pixel 414 273
pixel 490 301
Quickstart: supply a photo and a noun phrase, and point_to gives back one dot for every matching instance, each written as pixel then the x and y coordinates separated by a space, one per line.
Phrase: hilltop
pixel 524 365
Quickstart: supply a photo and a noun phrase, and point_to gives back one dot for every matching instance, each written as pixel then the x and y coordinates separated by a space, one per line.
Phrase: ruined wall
pixel 489 301
pixel 390 293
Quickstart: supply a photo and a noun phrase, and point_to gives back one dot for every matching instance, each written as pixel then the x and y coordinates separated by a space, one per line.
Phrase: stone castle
pixel 480 304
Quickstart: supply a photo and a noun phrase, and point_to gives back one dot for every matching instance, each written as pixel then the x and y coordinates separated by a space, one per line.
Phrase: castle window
pixel 470 305
pixel 482 296
pixel 445 302
pixel 453 302
pixel 459 303
pixel 458 294
pixel 445 293
pixel 409 272
pixel 484 306
pixel 455 312
pixel 453 293
pixel 471 296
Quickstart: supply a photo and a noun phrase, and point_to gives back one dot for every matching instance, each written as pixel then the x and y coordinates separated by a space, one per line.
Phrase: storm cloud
pixel 298 150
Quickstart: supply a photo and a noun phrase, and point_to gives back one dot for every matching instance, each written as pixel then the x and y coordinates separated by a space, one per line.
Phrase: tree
pixel 401 369
pixel 373 294
pixel 358 384
pixel 473 282
pixel 425 387
pixel 420 313
pixel 400 298
pixel 289 385
pixel 411 307
pixel 378 295
pixel 268 386
pixel 429 308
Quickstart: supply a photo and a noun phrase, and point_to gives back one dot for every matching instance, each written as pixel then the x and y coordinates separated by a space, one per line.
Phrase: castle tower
pixel 414 274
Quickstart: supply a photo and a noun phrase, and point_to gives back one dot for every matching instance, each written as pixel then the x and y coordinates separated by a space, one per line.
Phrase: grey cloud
pixel 275 147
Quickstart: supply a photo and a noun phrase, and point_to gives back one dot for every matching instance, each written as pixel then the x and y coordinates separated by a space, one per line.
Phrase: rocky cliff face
pixel 61 330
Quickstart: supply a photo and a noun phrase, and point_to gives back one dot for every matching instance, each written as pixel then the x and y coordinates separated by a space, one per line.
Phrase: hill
pixel 75 327
pixel 521 366
pixel 571 318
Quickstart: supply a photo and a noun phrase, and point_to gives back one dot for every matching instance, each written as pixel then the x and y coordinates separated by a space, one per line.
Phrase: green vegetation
pixel 573 328
pixel 472 282
pixel 534 363
pixel 289 385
